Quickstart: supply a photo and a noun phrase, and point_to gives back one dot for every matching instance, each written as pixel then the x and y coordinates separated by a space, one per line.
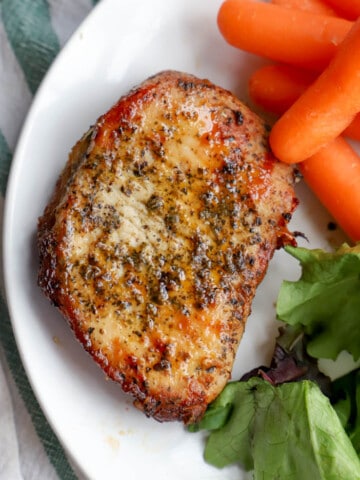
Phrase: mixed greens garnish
pixel 289 419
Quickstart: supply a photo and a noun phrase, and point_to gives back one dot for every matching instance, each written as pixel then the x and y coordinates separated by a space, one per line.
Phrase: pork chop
pixel 160 228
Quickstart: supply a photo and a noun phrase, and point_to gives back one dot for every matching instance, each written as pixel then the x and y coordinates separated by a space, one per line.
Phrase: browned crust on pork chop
pixel 160 228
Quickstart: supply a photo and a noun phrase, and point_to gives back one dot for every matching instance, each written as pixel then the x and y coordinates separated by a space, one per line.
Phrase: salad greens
pixel 325 300
pixel 288 419
pixel 346 399
pixel 279 431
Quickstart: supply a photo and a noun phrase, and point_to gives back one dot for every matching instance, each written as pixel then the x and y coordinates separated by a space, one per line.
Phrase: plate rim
pixel 9 203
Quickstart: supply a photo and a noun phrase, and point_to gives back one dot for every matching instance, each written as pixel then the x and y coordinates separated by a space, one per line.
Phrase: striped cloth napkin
pixel 31 34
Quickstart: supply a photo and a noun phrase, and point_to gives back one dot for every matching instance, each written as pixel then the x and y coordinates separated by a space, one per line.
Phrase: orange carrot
pixel 276 87
pixel 289 36
pixel 353 130
pixel 333 174
pixel 313 6
pixel 325 109
pixel 348 8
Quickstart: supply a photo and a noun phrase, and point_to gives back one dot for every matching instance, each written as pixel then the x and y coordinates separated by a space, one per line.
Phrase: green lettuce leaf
pixel 325 300
pixel 288 431
pixel 346 401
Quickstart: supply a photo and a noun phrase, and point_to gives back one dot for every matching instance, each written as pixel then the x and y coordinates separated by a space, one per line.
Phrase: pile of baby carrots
pixel 313 84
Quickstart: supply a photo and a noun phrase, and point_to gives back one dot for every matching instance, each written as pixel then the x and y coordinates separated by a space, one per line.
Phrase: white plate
pixel 119 45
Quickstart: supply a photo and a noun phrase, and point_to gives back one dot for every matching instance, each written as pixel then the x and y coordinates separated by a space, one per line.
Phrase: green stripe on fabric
pixel 28 27
pixel 5 162
pixel 51 444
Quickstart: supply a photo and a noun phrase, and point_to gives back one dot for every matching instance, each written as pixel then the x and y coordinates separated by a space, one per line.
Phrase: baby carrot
pixel 289 36
pixel 313 6
pixel 348 8
pixel 353 130
pixel 333 174
pixel 276 87
pixel 325 109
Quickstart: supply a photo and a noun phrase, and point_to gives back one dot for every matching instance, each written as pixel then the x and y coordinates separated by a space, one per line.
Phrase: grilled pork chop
pixel 160 228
